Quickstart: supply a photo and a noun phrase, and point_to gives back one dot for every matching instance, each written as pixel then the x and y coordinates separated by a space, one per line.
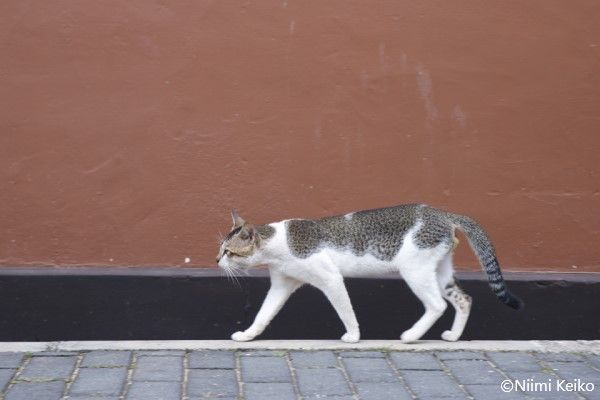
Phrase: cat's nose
pixel 218 259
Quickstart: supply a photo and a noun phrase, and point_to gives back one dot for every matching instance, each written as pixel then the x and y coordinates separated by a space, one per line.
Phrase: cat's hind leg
pixel 422 280
pixel 454 294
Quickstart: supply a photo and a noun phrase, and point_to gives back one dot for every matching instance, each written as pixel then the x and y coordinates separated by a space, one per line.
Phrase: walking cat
pixel 413 239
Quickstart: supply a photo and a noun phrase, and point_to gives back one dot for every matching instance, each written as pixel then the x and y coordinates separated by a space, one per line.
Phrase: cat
pixel 413 239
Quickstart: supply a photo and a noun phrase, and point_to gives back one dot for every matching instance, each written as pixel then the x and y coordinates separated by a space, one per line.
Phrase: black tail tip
pixel 514 302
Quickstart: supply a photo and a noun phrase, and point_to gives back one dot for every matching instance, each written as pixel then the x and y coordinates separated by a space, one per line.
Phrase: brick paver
pixel 313 359
pixel 515 361
pixel 106 359
pixel 322 382
pixel 212 359
pixel 432 384
pixel 265 369
pixel 370 370
pixel 36 391
pixel 5 377
pixel 474 372
pixel 10 360
pixel 99 382
pixel 154 390
pixel 362 354
pixel 159 368
pixel 212 383
pixel 295 374
pixel 382 390
pixel 48 368
pixel 269 391
pixel 417 361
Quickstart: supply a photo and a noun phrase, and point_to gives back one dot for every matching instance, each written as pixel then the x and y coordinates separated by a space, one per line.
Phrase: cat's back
pixel 376 232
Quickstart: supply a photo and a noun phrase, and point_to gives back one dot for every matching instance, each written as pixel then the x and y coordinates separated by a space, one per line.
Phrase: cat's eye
pixel 230 253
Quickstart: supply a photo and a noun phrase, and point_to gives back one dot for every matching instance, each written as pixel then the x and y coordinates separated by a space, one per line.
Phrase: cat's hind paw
pixel 241 337
pixel 450 336
pixel 351 337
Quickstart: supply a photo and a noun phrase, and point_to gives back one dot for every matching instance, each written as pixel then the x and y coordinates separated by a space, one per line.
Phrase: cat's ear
pixel 237 220
pixel 253 235
pixel 251 231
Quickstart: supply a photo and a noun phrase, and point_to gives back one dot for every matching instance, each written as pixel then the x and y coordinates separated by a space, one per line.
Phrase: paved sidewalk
pixel 294 374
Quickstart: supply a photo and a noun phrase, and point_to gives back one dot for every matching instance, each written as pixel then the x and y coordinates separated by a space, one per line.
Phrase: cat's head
pixel 238 249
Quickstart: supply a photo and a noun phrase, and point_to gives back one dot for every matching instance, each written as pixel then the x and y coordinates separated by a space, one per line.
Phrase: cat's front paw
pixel 351 337
pixel 450 336
pixel 409 337
pixel 241 337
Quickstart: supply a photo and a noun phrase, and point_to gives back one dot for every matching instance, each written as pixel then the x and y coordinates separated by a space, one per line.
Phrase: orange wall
pixel 129 128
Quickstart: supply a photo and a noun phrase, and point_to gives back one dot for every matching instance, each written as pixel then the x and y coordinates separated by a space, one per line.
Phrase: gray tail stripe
pixel 484 250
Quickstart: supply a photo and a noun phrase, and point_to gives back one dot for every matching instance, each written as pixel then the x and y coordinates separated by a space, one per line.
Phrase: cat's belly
pixel 350 264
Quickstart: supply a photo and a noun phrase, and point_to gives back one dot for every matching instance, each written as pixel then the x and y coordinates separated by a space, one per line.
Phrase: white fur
pixel 426 271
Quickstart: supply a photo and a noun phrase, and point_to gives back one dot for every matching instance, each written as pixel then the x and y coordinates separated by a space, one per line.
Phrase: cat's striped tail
pixel 484 250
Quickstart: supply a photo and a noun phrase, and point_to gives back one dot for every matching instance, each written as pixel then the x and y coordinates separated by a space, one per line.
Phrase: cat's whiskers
pixel 230 271
pixel 237 270
pixel 227 274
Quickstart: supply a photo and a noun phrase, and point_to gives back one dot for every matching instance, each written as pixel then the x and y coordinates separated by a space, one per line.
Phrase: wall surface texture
pixel 129 128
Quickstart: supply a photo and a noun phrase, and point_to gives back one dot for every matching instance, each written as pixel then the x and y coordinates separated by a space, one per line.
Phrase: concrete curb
pixel 542 346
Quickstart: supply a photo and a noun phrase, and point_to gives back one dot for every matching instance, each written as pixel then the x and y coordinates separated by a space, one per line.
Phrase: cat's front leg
pixel 281 289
